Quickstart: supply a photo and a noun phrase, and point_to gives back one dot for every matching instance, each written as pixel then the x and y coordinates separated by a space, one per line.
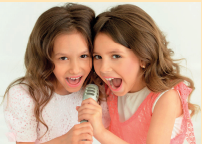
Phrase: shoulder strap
pixel 187 126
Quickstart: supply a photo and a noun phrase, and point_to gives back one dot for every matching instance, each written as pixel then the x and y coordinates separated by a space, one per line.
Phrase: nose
pixel 105 67
pixel 74 67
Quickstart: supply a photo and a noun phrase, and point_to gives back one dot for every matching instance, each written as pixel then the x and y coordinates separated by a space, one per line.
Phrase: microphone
pixel 91 91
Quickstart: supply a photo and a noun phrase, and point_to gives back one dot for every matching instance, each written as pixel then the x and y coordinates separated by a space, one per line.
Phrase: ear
pixel 142 64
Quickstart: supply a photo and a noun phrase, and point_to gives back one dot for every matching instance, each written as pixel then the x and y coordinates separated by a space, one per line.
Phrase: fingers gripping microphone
pixel 91 91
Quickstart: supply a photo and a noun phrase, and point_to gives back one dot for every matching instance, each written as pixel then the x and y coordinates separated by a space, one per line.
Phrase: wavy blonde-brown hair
pixel 133 28
pixel 39 75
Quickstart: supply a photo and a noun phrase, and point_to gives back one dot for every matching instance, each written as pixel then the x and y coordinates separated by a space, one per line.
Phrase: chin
pixel 119 93
pixel 73 89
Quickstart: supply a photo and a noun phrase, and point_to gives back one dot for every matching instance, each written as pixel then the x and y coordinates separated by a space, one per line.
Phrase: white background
pixel 181 22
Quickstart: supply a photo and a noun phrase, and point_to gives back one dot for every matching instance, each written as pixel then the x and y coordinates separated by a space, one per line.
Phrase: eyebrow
pixel 86 51
pixel 59 54
pixel 111 52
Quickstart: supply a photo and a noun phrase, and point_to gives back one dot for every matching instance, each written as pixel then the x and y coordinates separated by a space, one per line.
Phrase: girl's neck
pixel 59 89
pixel 139 85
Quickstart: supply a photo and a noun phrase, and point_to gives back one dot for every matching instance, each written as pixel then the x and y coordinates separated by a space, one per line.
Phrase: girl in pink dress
pixel 148 99
pixel 41 106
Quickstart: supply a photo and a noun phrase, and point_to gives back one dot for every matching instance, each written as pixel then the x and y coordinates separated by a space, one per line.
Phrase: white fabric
pixel 59 114
pixel 129 103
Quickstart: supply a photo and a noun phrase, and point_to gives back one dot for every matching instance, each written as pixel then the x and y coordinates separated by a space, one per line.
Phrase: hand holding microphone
pixel 91 91
pixel 83 131
pixel 90 110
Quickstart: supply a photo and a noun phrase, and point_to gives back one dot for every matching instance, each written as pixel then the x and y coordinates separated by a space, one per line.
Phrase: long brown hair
pixel 39 75
pixel 133 28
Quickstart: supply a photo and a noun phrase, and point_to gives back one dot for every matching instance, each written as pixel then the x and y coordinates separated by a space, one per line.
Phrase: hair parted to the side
pixel 39 75
pixel 133 28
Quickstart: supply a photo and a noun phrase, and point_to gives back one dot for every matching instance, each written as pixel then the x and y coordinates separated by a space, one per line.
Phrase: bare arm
pixel 166 110
pixel 74 136
pixel 57 140
pixel 25 142
pixel 106 137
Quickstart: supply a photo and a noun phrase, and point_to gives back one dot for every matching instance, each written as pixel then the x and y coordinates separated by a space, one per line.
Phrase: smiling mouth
pixel 73 81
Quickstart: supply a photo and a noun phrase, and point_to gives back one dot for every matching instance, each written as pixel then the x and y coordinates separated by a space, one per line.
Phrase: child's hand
pixel 79 132
pixel 90 110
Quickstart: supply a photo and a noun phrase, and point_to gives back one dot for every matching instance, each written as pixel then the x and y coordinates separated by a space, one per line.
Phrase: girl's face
pixel 117 65
pixel 72 62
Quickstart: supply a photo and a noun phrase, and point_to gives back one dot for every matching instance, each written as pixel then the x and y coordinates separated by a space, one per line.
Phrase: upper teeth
pixel 75 78
pixel 109 79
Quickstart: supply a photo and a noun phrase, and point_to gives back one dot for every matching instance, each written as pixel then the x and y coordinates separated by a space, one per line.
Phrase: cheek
pixel 87 65
pixel 96 65
pixel 57 71
pixel 59 68
pixel 129 69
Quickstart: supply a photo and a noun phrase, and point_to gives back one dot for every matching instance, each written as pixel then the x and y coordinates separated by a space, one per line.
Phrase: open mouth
pixel 114 83
pixel 74 82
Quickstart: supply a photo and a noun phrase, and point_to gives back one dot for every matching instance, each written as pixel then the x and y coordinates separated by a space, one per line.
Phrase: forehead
pixel 70 41
pixel 104 42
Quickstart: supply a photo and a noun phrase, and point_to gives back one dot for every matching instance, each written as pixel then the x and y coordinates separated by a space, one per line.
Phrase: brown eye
pixel 116 56
pixel 63 58
pixel 84 56
pixel 97 57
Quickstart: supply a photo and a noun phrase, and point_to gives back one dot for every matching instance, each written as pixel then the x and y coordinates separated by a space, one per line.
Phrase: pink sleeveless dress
pixel 135 129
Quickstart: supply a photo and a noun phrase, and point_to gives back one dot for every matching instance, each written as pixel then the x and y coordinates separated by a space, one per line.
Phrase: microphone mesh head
pixel 91 91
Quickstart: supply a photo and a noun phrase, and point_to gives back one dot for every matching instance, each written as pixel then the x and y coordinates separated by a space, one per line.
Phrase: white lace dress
pixel 59 114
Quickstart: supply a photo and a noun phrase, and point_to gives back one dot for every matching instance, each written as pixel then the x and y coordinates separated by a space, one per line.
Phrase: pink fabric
pixel 135 129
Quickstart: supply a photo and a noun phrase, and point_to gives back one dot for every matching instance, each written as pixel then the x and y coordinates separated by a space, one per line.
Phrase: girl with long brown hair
pixel 148 97
pixel 41 106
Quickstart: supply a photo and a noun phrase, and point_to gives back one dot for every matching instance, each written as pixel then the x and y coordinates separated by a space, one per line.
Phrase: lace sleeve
pixel 19 115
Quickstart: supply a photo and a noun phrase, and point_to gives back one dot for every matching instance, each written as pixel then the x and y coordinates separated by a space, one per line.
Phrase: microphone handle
pixel 83 121
pixel 91 91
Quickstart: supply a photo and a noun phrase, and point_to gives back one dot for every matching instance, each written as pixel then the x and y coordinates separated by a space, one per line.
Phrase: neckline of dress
pixel 137 92
pixel 54 93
